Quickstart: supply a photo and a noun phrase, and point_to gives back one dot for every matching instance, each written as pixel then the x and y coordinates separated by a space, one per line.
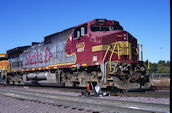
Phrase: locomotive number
pixel 80 47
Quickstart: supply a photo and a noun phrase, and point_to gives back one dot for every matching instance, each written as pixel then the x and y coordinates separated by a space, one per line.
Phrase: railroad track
pixel 130 93
pixel 88 103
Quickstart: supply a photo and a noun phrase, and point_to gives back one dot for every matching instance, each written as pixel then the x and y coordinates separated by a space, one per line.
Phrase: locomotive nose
pixel 113 36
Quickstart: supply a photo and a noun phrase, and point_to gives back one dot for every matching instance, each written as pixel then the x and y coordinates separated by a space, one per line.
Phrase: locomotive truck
pixel 98 52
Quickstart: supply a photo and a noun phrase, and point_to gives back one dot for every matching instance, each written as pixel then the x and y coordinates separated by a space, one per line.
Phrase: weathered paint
pixel 61 50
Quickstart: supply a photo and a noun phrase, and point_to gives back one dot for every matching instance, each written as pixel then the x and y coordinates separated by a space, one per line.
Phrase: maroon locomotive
pixel 98 52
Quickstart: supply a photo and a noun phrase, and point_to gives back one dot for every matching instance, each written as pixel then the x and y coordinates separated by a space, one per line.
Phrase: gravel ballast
pixel 12 105
pixel 161 100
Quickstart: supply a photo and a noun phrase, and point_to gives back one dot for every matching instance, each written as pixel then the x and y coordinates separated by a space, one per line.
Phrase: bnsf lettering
pixel 38 58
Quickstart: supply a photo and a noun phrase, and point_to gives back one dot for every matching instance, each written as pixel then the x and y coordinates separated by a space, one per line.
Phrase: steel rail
pixel 88 103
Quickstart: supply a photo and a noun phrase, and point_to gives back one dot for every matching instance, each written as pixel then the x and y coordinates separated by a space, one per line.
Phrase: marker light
pixel 124 36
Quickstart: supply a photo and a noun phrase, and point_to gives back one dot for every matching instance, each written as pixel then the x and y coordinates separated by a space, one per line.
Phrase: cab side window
pixel 85 30
pixel 76 33
pixel 80 32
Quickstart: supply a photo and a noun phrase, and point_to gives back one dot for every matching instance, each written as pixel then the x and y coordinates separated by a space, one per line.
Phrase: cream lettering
pixel 38 57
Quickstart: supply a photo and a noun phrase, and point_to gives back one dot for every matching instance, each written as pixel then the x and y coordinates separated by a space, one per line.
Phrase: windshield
pixel 100 28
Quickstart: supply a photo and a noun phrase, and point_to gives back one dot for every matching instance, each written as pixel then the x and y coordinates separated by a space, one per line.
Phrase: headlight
pixel 124 36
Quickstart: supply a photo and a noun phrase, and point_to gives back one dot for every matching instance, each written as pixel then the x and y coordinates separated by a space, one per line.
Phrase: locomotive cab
pixel 95 37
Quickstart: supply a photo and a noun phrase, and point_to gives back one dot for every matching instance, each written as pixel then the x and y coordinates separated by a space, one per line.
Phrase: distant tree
pixel 162 70
pixel 160 67
pixel 168 63
pixel 161 62
pixel 153 67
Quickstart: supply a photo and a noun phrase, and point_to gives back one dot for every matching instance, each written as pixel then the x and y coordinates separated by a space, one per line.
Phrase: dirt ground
pixel 163 81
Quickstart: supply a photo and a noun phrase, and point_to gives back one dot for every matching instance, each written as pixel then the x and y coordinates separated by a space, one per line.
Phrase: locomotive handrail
pixel 110 59
pixel 114 46
pixel 104 60
pixel 142 47
pixel 111 56
pixel 118 51
pixel 106 53
pixel 137 50
pixel 147 57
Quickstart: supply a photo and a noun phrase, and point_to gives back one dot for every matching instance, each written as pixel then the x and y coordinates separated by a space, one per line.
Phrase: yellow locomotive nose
pixel 5 65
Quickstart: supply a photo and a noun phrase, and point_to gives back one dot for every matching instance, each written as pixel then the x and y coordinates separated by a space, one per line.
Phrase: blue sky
pixel 26 21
